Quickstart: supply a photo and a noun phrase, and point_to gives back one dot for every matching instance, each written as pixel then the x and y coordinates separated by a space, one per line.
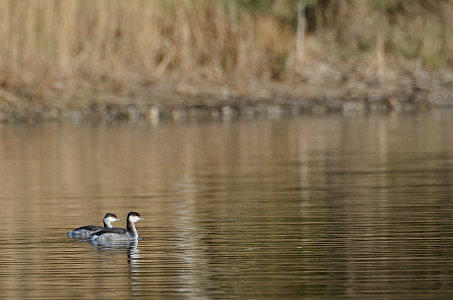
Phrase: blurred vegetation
pixel 79 43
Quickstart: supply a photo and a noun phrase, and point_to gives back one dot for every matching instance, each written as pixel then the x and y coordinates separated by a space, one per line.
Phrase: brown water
pixel 310 207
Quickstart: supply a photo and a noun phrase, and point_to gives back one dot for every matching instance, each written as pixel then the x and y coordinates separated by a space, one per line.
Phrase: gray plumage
pixel 115 235
pixel 87 231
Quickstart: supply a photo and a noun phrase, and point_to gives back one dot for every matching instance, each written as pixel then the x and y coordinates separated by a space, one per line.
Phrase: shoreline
pixel 151 60
pixel 188 101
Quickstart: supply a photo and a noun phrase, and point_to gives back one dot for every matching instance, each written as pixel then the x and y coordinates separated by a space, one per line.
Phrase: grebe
pixel 112 235
pixel 85 232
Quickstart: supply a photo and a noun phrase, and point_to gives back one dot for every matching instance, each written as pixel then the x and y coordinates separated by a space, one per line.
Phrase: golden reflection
pixel 294 203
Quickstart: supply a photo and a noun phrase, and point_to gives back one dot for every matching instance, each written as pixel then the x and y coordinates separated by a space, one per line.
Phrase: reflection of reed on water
pixel 286 208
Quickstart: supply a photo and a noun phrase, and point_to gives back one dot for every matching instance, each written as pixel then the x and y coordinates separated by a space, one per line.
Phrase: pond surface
pixel 309 207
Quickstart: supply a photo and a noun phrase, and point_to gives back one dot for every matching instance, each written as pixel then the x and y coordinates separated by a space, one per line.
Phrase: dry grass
pixel 135 39
pixel 60 44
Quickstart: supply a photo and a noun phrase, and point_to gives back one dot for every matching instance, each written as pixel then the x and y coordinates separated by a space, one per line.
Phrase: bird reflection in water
pixel 133 256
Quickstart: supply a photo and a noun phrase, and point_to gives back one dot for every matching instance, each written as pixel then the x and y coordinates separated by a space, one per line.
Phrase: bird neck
pixel 131 229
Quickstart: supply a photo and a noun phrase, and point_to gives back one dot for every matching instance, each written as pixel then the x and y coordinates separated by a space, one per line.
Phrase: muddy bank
pixel 185 101
pixel 348 57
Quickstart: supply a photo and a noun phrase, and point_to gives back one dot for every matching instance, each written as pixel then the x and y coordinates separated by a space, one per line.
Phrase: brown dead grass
pixel 55 45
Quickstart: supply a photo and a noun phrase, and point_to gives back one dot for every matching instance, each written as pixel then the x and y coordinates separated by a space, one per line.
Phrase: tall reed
pixel 48 41
pixel 141 38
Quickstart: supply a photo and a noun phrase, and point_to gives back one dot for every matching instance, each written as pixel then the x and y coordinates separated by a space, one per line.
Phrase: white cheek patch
pixel 135 219
pixel 109 220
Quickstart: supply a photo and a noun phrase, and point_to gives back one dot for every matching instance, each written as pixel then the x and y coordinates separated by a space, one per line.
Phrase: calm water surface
pixel 311 207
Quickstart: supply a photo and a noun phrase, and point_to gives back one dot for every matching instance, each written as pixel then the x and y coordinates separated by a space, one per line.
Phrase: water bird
pixel 85 232
pixel 112 235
